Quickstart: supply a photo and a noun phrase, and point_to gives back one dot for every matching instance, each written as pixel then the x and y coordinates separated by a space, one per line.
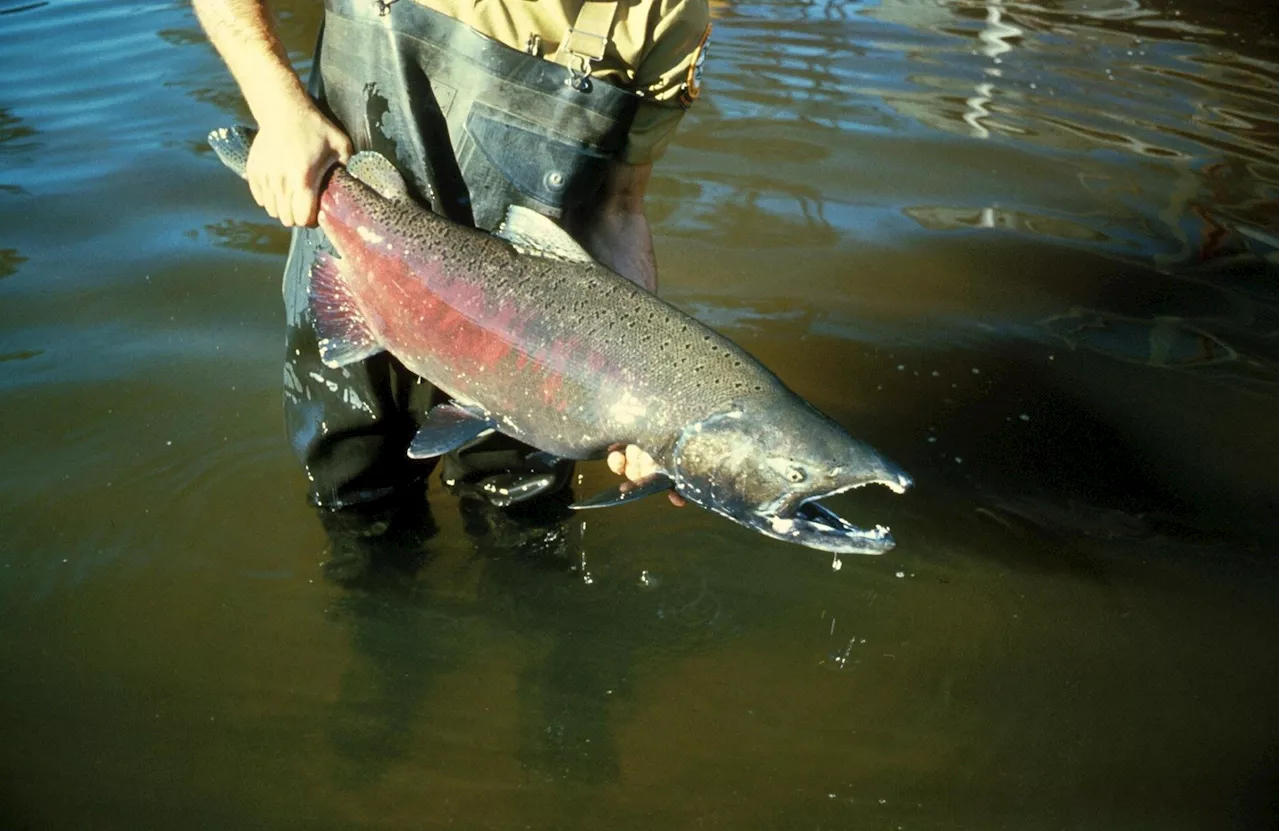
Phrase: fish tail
pixel 232 146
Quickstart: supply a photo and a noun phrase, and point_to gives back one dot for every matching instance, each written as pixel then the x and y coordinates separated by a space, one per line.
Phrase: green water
pixel 1026 250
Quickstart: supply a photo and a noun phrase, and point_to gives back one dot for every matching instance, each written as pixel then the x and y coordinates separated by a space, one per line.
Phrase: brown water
pixel 1026 250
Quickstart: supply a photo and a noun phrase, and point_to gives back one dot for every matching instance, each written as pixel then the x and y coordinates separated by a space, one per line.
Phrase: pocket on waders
pixel 549 169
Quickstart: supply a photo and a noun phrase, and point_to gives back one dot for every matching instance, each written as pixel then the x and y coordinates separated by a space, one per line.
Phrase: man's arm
pixel 618 233
pixel 296 144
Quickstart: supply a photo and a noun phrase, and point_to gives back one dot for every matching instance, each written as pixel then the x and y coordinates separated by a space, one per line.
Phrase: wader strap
pixel 586 41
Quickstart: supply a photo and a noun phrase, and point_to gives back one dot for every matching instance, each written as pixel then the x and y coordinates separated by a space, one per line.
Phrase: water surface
pixel 1028 250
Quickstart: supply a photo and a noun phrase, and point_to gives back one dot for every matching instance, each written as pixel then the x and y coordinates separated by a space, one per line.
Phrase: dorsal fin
pixel 534 234
pixel 375 171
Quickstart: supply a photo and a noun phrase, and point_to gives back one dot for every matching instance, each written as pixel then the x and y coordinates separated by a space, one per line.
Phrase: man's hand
pixel 635 464
pixel 288 161
pixel 296 144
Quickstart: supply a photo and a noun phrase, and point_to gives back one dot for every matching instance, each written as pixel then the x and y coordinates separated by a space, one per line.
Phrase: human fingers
pixel 639 464
pixel 306 206
pixel 263 181
pixel 286 202
pixel 342 145
pixel 262 193
pixel 635 464
pixel 271 189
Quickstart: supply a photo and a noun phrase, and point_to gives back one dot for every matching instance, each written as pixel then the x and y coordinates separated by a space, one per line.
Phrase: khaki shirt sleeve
pixel 654 126
pixel 668 77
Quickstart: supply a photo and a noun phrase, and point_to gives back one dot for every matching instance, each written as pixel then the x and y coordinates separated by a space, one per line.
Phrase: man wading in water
pixel 561 106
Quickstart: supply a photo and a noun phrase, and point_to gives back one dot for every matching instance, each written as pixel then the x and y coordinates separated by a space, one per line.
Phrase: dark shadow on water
pixel 250 237
pixel 533 555
pixel 10 260
pixel 407 638
pixel 14 132
pixel 375 556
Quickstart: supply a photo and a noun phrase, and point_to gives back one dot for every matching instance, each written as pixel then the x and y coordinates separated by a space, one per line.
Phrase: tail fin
pixel 232 146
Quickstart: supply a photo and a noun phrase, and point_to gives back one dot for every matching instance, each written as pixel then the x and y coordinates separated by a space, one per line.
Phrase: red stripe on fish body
pixel 568 356
pixel 464 322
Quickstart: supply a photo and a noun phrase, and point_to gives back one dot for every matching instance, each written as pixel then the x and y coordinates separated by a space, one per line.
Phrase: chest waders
pixel 473 126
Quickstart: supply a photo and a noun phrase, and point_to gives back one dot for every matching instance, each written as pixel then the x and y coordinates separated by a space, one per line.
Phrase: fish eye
pixel 795 474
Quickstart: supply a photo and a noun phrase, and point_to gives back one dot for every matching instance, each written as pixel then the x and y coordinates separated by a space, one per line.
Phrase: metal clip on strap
pixel 586 41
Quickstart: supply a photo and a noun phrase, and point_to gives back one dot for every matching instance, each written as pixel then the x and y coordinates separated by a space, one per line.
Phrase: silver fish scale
pixel 673 367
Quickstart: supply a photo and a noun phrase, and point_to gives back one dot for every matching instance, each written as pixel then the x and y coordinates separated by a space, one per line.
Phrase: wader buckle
pixel 582 46
pixel 581 50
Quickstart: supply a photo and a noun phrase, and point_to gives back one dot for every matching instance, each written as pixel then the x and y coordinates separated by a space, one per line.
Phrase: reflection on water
pixel 12 130
pixel 251 237
pixel 10 259
pixel 1028 250
pixel 1165 342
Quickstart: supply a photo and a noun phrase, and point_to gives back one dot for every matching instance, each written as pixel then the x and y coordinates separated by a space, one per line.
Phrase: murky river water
pixel 1027 250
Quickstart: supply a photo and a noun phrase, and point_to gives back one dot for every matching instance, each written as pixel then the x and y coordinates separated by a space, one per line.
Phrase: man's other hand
pixel 288 161
pixel 636 464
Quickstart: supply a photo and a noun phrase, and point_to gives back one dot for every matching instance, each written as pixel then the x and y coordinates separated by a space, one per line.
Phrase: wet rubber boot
pixel 504 477
pixel 511 499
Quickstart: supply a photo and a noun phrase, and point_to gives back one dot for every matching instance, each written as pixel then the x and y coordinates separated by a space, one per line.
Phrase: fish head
pixel 766 464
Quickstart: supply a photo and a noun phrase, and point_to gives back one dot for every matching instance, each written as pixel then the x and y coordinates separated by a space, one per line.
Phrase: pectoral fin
pixel 627 492
pixel 449 427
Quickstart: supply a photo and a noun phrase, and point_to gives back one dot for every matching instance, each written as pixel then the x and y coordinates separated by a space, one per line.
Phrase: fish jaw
pixel 767 464
pixel 814 525
pixel 804 522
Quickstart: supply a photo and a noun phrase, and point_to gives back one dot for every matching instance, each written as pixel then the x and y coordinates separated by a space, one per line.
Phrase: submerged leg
pixel 349 427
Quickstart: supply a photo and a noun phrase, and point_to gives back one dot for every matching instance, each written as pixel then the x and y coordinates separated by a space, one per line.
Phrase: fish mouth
pixel 809 523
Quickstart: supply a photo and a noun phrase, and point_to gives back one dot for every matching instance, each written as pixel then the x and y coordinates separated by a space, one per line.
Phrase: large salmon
pixel 531 337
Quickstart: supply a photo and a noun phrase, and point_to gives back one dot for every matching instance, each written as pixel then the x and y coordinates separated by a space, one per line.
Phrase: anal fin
pixel 344 336
pixel 627 492
pixel 449 427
